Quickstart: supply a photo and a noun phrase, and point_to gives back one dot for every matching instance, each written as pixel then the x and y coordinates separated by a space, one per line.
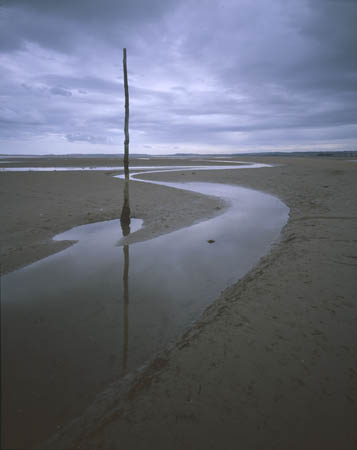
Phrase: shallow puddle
pixel 76 321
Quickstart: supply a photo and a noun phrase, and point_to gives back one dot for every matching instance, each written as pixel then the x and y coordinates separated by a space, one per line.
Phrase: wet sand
pixel 38 205
pixel 272 363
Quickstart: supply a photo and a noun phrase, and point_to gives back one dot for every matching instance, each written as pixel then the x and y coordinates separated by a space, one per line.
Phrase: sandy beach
pixel 39 205
pixel 272 363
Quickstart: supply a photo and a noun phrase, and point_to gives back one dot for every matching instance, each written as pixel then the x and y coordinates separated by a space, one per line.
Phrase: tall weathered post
pixel 125 219
pixel 125 214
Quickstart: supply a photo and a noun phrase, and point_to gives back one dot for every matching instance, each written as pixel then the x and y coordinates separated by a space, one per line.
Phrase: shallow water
pixel 78 320
pixel 120 168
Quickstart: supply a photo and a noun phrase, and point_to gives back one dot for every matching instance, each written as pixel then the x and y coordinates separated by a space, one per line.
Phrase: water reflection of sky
pixel 66 327
pixel 120 168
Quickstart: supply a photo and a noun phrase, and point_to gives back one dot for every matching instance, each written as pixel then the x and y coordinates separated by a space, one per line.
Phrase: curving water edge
pixel 85 324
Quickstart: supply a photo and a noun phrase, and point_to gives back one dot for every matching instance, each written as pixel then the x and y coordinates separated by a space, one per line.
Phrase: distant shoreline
pixel 319 153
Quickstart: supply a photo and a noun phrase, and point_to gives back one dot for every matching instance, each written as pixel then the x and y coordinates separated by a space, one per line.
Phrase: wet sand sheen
pixel 87 326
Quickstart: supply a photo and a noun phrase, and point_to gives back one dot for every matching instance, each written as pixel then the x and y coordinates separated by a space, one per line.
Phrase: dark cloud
pixel 217 75
pixel 90 10
pixel 67 25
pixel 58 90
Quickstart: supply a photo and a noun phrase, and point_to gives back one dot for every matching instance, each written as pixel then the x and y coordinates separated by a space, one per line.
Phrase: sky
pixel 205 76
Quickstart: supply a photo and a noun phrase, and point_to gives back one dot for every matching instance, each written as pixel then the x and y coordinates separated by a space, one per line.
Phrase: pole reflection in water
pixel 125 226
pixel 126 306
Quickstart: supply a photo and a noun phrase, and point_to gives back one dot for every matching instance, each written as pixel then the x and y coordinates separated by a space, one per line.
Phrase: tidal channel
pixel 80 319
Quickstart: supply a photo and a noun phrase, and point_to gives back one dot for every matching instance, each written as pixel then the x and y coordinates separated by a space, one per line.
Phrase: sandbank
pixel 272 363
pixel 38 205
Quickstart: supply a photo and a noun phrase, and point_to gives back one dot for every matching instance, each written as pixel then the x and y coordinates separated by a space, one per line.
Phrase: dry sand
pixel 273 362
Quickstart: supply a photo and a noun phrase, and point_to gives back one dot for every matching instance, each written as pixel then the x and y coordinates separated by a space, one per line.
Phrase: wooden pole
pixel 126 124
pixel 125 214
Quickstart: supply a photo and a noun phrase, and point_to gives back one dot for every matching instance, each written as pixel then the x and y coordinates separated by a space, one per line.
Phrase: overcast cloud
pixel 205 76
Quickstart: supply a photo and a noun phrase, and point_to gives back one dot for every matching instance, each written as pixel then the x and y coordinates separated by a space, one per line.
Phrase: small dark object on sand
pixel 210 241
